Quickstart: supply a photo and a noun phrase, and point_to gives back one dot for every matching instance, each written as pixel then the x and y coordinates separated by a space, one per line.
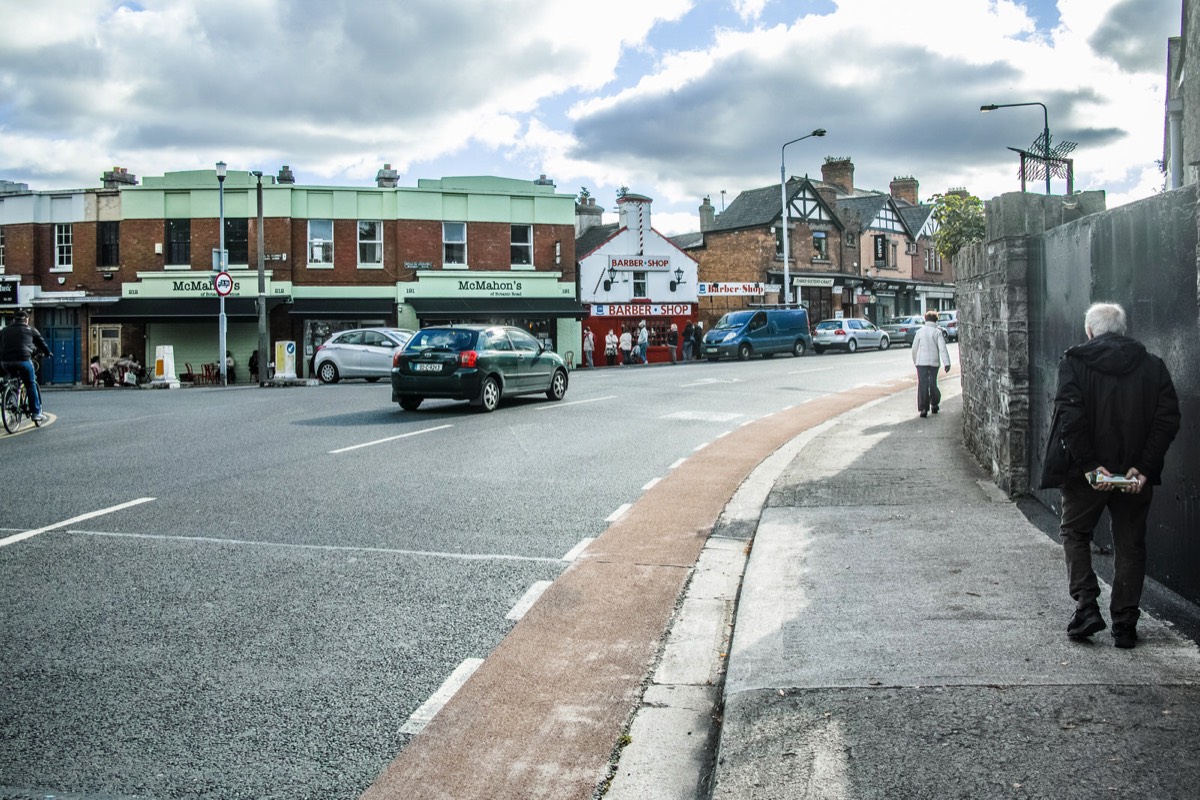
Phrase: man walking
pixel 1115 414
pixel 589 347
pixel 19 343
pixel 928 353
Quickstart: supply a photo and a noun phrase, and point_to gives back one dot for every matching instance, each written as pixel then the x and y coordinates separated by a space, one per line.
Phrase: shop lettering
pixel 489 286
pixel 197 286
pixel 637 262
pixel 631 310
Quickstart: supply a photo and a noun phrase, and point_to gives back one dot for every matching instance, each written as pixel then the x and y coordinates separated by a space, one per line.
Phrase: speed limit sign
pixel 223 283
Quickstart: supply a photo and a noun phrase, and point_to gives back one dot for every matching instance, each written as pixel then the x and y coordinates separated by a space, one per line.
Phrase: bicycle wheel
pixel 11 403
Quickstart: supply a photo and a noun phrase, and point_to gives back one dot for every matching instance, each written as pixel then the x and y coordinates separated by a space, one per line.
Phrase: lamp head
pixel 991 107
pixel 818 132
pixel 220 170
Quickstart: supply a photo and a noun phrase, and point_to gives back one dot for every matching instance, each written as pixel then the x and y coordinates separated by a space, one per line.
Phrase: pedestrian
pixel 1115 414
pixel 19 343
pixel 230 368
pixel 252 364
pixel 673 342
pixel 689 345
pixel 626 346
pixel 610 348
pixel 589 347
pixel 128 370
pixel 929 352
pixel 699 340
pixel 643 341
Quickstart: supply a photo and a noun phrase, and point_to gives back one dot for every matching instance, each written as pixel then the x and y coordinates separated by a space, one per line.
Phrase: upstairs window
pixel 320 242
pixel 179 242
pixel 454 243
pixel 237 240
pixel 639 284
pixel 521 246
pixel 62 248
pixel 370 243
pixel 820 246
pixel 1 249
pixel 108 244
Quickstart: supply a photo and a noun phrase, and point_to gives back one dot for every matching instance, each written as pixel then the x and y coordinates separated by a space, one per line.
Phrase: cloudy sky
pixel 675 99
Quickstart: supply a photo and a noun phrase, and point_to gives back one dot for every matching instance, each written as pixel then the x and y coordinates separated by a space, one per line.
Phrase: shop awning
pixel 342 307
pixel 171 308
pixel 485 307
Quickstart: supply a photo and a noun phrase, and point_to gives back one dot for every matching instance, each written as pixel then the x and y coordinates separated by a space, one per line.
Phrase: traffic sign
pixel 223 283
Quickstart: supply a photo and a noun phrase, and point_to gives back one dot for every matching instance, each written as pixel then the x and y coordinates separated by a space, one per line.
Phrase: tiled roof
pixel 592 238
pixel 754 208
pixel 687 241
pixel 915 216
pixel 861 210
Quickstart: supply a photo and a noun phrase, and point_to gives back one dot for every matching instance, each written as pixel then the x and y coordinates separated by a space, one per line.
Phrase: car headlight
pixel 728 336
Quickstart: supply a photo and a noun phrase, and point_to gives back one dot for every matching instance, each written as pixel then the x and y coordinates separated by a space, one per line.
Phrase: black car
pixel 478 363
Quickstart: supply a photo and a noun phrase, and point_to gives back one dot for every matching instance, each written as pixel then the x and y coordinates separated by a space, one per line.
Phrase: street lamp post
pixel 1045 130
pixel 221 266
pixel 264 358
pixel 787 289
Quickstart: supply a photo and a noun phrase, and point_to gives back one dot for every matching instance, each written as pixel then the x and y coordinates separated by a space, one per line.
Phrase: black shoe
pixel 1085 622
pixel 934 409
pixel 924 414
pixel 1124 637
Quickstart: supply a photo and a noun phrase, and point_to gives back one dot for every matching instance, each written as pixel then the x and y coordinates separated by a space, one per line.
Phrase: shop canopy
pixel 170 308
pixel 342 307
pixel 487 307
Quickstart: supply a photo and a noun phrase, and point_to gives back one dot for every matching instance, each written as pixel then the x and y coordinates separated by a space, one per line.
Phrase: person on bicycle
pixel 19 343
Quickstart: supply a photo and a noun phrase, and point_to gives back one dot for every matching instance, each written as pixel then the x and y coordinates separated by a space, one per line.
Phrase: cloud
pixel 1134 33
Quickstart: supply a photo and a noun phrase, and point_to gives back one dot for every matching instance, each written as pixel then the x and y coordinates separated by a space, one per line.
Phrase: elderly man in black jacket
pixel 1116 414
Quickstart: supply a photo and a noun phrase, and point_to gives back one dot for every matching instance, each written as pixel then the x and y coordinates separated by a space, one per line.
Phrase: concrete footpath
pixel 900 633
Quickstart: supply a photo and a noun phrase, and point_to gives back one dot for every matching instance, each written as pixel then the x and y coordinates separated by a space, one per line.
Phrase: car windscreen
pixel 735 319
pixel 442 339
pixel 829 325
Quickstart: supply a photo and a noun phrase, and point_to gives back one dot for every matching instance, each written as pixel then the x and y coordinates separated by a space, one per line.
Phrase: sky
pixel 677 100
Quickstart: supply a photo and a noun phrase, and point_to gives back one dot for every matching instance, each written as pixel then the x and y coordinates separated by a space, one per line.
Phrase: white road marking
pixel 723 434
pixel 325 547
pixel 678 463
pixel 388 439
pixel 650 485
pixel 616 515
pixel 709 381
pixel 704 416
pixel 429 709
pixel 576 551
pixel 574 403
pixel 527 600
pixel 747 422
pixel 17 537
pixel 699 447
pixel 806 371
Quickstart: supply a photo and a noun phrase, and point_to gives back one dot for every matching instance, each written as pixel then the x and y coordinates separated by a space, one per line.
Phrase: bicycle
pixel 14 402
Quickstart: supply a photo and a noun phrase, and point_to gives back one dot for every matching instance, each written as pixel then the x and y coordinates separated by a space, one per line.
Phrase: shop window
pixel 370 243
pixel 521 246
pixel 62 248
pixel 320 242
pixel 454 243
pixel 108 244
pixel 820 246
pixel 639 285
pixel 237 240
pixel 179 242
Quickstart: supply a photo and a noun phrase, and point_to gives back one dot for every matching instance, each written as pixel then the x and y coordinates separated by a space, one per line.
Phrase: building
pixel 630 273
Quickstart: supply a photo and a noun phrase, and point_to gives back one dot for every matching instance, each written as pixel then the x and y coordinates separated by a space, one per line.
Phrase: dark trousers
pixel 1082 507
pixel 928 393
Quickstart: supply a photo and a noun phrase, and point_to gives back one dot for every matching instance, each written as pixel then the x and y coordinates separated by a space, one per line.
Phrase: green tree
pixel 960 222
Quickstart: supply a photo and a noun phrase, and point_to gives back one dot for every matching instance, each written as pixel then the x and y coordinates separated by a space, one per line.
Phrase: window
pixel 778 231
pixel 179 242
pixel 895 262
pixel 454 243
pixel 237 240
pixel 820 246
pixel 851 239
pixel 62 248
pixel 1 249
pixel 910 248
pixel 108 244
pixel 639 284
pixel 320 241
pixel 521 246
pixel 370 243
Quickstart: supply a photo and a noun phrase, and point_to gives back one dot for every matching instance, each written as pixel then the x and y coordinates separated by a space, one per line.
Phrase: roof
pixel 687 241
pixel 915 216
pixel 861 209
pixel 754 208
pixel 592 238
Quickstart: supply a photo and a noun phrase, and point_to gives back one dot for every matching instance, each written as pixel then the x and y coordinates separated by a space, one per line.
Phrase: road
pixel 247 593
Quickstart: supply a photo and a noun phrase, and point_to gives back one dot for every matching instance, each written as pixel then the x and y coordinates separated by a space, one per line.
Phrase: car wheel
pixel 851 346
pixel 373 379
pixel 884 343
pixel 328 372
pixel 798 348
pixel 558 385
pixel 743 352
pixel 410 403
pixel 489 395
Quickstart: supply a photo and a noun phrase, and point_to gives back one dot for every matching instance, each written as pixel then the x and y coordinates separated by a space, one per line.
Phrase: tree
pixel 960 222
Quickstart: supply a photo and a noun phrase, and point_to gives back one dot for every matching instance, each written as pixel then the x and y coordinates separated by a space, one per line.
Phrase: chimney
pixel 905 188
pixel 708 215
pixel 118 177
pixel 587 215
pixel 634 211
pixel 543 181
pixel 840 172
pixel 386 178
pixel 828 194
pixel 285 175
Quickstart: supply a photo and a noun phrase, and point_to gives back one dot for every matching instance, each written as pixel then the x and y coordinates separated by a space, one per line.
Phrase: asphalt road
pixel 247 593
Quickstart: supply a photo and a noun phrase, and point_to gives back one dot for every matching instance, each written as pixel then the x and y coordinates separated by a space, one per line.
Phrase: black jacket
pixel 1116 408
pixel 18 342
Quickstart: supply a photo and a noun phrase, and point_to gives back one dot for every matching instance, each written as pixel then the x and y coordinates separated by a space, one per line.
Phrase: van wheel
pixel 798 348
pixel 743 352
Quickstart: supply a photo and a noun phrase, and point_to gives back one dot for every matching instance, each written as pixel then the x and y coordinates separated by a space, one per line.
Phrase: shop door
pixel 106 343
pixel 64 367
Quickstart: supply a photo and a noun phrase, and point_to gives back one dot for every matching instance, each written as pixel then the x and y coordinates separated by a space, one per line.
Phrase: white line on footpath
pixel 576 551
pixel 429 709
pixel 723 434
pixel 677 464
pixel 806 371
pixel 616 515
pixel 527 600
pixel 699 447
pixel 17 537
pixel 388 439
pixel 574 403
pixel 650 485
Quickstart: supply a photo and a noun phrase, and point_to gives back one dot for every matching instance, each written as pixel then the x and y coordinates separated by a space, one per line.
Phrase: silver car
pixel 849 335
pixel 359 353
pixel 903 330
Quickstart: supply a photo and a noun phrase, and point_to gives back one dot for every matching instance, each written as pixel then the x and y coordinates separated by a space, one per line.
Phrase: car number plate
pixel 427 367
pixel 710 349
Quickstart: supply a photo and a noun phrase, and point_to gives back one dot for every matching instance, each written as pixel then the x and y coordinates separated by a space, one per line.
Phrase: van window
pixel 759 321
pixel 734 319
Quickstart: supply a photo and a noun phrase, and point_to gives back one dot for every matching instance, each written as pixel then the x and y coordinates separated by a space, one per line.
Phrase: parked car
pixel 764 332
pixel 478 363
pixel 849 335
pixel 903 330
pixel 359 353
pixel 948 322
